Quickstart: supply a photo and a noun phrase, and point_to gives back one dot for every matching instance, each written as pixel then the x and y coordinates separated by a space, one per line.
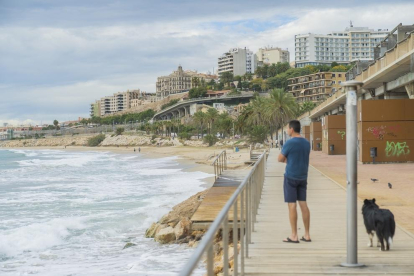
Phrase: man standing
pixel 296 154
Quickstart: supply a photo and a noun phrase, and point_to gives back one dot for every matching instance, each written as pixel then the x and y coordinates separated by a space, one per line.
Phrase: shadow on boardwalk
pixel 327 202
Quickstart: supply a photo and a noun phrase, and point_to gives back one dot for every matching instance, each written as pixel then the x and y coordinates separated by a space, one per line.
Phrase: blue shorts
pixel 294 190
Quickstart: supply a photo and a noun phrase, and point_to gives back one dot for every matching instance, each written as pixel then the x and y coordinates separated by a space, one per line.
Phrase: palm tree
pixel 195 81
pixel 212 114
pixel 224 123
pixel 280 108
pixel 200 118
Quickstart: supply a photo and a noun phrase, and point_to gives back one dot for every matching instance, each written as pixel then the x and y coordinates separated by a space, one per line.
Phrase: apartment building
pixel 117 102
pixel 354 43
pixel 96 109
pixel 238 61
pixel 180 81
pixel 315 87
pixel 270 55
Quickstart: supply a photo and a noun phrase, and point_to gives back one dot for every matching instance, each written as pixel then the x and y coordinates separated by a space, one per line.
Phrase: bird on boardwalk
pixel 390 185
pixel 374 180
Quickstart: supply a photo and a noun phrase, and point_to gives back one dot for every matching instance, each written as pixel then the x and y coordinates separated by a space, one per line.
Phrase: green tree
pixel 200 118
pixel 210 139
pixel 257 134
pixel 333 64
pixel 56 124
pixel 195 81
pixel 280 108
pixel 119 130
pixel 339 68
pixel 272 70
pixel 224 124
pixel 197 92
pixel 256 84
pixel 306 107
pixel 226 78
pixel 96 140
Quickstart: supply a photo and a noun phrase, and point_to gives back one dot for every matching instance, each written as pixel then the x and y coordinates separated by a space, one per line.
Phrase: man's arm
pixel 282 158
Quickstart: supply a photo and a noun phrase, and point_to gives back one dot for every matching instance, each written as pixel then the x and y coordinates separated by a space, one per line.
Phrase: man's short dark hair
pixel 295 124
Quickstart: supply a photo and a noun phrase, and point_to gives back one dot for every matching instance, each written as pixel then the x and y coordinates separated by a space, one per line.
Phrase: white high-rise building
pixel 270 55
pixel 237 61
pixel 354 43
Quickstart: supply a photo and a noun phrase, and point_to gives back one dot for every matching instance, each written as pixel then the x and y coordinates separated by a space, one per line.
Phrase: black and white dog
pixel 380 221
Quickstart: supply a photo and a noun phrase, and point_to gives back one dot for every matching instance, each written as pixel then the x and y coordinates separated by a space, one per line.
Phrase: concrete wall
pixel 387 125
pixel 316 136
pixel 333 133
pixel 306 132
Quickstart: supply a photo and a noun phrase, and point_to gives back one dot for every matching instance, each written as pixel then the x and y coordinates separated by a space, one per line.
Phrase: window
pixel 333 75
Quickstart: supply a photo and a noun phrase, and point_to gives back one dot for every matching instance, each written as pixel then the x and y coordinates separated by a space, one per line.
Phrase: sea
pixel 72 213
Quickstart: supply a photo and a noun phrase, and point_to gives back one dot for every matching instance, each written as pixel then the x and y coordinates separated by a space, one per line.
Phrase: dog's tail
pixel 390 241
pixel 389 230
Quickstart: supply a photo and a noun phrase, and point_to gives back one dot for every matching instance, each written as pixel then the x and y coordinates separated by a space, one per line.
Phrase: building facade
pixel 180 81
pixel 315 87
pixel 96 109
pixel 354 43
pixel 117 102
pixel 237 61
pixel 270 55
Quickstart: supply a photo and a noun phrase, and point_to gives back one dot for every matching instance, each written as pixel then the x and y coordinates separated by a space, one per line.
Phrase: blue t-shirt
pixel 297 150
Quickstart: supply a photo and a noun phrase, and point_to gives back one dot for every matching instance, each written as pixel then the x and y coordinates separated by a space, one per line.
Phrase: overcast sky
pixel 57 57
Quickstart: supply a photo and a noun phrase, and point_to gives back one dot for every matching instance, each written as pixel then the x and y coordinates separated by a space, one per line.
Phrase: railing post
pixel 235 238
pixel 247 219
pixel 225 235
pixel 242 233
pixel 210 260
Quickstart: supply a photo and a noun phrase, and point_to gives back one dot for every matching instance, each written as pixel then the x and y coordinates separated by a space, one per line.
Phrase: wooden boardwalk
pixel 217 197
pixel 327 203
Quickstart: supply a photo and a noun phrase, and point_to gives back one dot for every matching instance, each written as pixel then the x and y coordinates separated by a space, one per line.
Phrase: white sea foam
pixel 38 236
pixel 72 212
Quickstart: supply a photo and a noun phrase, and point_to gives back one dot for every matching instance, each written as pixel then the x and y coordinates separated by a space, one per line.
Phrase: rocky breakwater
pixel 48 142
pixel 176 227
pixel 135 140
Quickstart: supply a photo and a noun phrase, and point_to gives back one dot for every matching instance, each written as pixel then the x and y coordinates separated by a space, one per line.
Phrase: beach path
pixel 268 255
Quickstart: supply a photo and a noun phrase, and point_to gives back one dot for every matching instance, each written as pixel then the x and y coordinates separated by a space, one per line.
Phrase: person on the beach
pixel 134 149
pixel 281 144
pixel 139 149
pixel 295 154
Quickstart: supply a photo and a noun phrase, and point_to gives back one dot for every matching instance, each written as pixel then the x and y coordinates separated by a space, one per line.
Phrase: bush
pixel 96 140
pixel 210 139
pixel 184 135
pixel 153 137
pixel 119 130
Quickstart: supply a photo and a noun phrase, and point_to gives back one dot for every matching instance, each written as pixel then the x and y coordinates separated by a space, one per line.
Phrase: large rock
pixel 165 235
pixel 150 233
pixel 183 228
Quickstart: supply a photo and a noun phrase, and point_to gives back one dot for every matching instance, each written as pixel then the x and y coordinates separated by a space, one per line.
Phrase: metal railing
pixel 248 194
pixel 220 164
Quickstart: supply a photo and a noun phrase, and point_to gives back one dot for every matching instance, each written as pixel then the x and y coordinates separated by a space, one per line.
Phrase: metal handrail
pixel 220 164
pixel 248 194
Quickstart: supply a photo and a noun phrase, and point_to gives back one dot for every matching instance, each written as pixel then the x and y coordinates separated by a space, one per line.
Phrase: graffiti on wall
pixel 396 149
pixel 380 131
pixel 342 133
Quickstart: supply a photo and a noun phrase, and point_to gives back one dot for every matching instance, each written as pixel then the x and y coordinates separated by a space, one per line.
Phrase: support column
pixel 410 90
pixel 351 172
